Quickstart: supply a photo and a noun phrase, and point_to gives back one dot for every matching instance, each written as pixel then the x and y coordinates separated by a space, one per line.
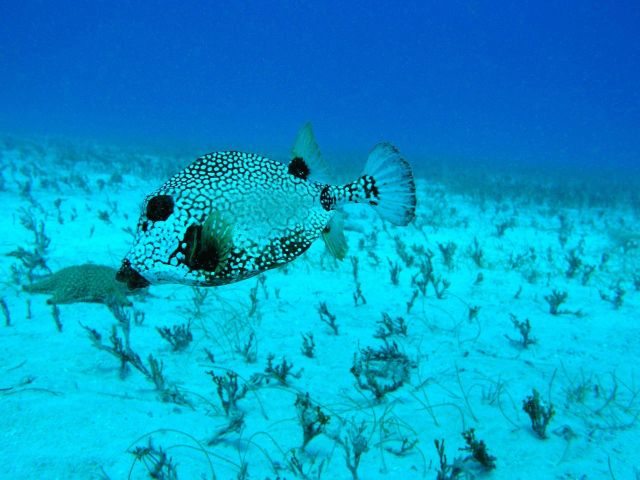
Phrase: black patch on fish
pixel 197 255
pixel 370 188
pixel 299 168
pixel 159 208
pixel 293 246
pixel 326 199
pixel 284 249
pixel 128 275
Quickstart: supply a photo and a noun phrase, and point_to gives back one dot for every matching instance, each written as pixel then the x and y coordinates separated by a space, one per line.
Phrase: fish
pixel 231 215
pixel 82 283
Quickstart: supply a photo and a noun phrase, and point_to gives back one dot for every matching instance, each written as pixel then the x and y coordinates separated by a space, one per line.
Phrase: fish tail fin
pixel 387 184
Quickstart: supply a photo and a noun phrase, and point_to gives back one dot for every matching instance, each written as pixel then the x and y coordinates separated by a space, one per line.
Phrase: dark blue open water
pixel 550 82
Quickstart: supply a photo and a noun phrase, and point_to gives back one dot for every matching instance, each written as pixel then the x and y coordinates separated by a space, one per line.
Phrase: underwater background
pixel 496 336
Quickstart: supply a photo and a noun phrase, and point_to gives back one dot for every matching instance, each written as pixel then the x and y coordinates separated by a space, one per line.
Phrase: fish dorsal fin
pixel 333 236
pixel 306 160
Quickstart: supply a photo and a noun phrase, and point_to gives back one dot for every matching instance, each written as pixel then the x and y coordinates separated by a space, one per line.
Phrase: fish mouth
pixel 131 277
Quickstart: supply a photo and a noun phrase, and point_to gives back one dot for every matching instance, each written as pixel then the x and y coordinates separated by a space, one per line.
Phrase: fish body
pixel 232 215
pixel 82 283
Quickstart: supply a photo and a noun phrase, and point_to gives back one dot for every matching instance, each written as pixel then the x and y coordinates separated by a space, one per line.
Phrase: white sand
pixel 66 413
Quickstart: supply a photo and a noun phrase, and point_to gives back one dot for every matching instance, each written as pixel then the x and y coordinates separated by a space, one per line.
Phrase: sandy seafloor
pixel 68 413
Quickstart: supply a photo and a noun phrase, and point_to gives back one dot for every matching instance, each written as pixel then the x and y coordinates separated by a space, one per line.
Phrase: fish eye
pixel 159 207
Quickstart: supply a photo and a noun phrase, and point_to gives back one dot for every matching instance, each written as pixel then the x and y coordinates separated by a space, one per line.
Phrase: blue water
pixel 537 82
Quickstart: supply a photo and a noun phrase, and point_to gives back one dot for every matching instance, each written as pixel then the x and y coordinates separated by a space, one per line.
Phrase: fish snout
pixel 131 277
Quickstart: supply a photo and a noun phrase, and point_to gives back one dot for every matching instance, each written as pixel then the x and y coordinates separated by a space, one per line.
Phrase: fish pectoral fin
pixel 209 244
pixel 333 236
pixel 306 160
pixel 217 238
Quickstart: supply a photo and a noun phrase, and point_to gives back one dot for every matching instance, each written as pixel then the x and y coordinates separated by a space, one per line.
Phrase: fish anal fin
pixel 333 236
